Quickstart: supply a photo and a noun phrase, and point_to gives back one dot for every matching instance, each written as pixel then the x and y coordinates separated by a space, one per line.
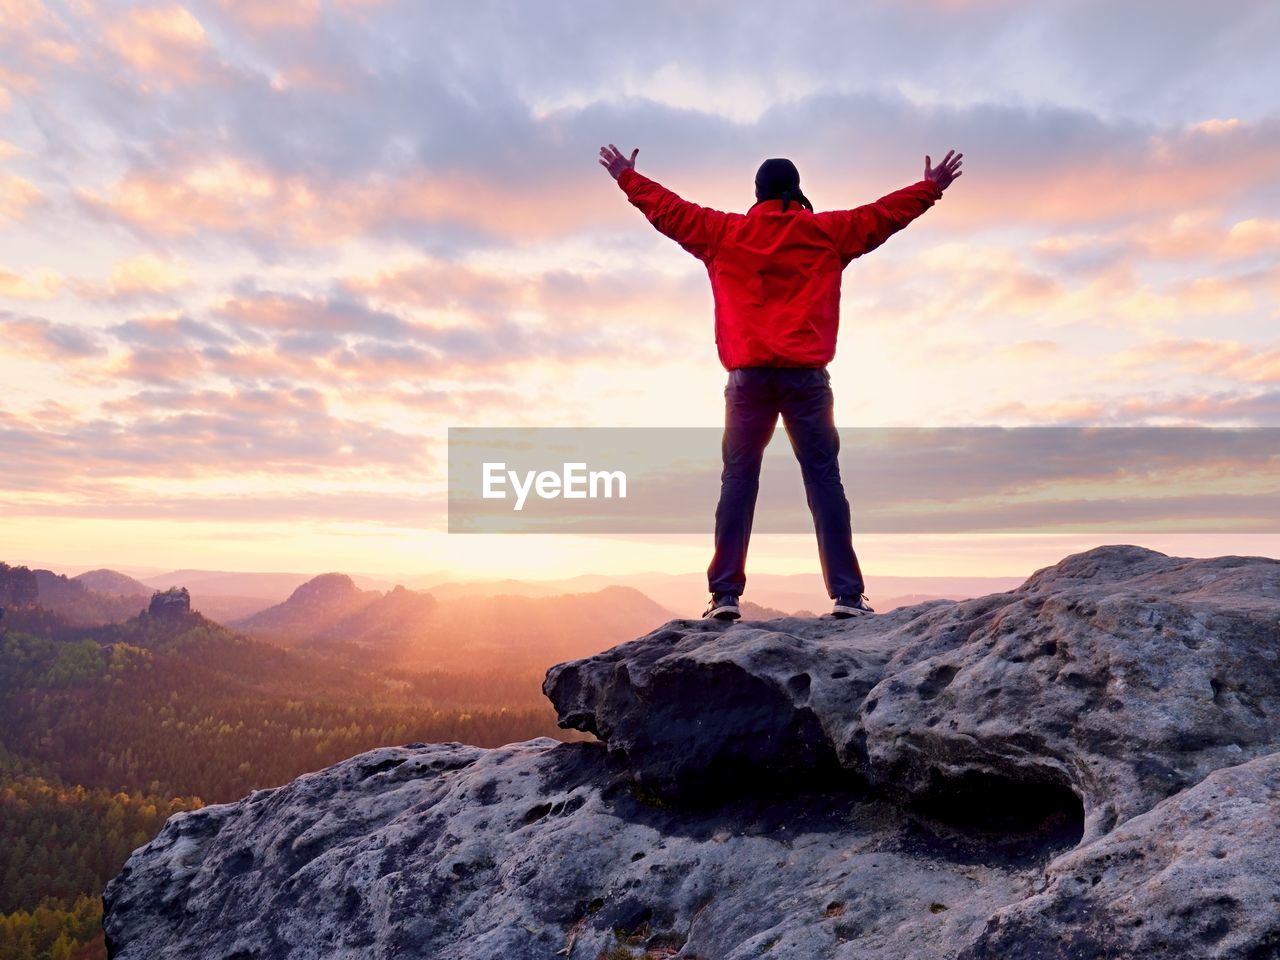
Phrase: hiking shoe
pixel 723 606
pixel 851 607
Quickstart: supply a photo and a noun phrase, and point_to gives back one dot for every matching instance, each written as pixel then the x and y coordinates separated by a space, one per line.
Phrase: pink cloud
pixel 43 285
pixel 17 196
pixel 276 15
pixel 37 338
pixel 1057 411
pixel 167 44
pixel 1167 175
pixel 1219 358
pixel 145 275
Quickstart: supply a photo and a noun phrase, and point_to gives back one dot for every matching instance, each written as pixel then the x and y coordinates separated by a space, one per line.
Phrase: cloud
pixel 158 329
pixel 17 196
pixel 145 276
pixel 410 198
pixel 1249 408
pixel 43 285
pixel 402 508
pixel 1230 407
pixel 166 44
pixel 278 15
pixel 581 300
pixel 1218 358
pixel 42 339
pixel 340 339
pixel 1255 235
pixel 193 433
pixel 271 310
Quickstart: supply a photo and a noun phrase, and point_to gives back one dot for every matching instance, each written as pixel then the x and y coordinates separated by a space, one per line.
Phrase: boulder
pixel 1085 766
pixel 174 603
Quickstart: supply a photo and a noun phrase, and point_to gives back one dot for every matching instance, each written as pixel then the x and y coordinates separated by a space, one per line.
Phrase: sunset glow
pixel 256 259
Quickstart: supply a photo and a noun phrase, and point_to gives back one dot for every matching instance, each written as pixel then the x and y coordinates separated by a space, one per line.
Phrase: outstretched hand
pixel 611 159
pixel 945 172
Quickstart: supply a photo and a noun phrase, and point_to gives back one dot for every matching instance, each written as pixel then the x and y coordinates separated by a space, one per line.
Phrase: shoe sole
pixel 725 613
pixel 846 613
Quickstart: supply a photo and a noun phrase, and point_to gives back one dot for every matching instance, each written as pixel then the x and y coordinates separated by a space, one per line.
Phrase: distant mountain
pixel 226 608
pixel 270 587
pixel 454 589
pixel 753 611
pixel 311 611
pixel 416 630
pixel 216 606
pixel 387 621
pixel 77 605
pixel 111 583
pixel 686 593
pixel 534 630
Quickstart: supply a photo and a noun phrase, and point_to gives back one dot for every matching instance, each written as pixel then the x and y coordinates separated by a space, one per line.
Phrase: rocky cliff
pixel 1087 766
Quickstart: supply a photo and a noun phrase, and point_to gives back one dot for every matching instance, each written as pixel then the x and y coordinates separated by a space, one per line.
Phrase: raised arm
pixel 698 229
pixel 864 228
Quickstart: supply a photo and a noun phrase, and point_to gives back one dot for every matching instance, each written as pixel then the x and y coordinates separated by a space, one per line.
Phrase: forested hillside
pixel 110 729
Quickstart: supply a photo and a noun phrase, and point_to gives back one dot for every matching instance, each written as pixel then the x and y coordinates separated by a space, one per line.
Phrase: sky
pixel 256 259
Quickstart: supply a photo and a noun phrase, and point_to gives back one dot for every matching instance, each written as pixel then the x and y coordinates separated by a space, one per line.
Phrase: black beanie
pixel 779 179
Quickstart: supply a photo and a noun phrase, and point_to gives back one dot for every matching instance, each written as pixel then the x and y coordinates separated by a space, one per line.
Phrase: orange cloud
pixel 143 275
pixel 1221 358
pixel 1201 407
pixel 231 195
pixel 18 15
pixel 17 196
pixel 1217 127
pixel 1056 411
pixel 1196 168
pixel 148 273
pixel 1216 295
pixel 35 337
pixel 42 286
pixel 180 364
pixel 267 310
pixel 1253 236
pixel 274 15
pixel 165 43
pixel 441 286
pixel 562 299
pixel 57 50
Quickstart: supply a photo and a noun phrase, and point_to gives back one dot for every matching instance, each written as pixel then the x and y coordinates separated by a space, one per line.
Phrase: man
pixel 775 276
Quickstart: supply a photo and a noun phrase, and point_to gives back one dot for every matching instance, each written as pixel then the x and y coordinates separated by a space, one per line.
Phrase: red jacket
pixel 776 276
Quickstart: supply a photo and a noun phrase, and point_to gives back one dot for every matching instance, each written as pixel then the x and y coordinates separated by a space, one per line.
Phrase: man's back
pixel 776 280
pixel 775 274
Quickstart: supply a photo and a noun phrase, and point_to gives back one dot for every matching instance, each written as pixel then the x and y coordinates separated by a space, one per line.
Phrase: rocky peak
pixel 1085 766
pixel 325 589
pixel 171 604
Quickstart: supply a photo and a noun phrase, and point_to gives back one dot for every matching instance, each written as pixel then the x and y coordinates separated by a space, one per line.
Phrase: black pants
pixel 754 397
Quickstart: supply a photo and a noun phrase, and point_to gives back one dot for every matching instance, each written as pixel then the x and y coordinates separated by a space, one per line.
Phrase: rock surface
pixel 174 603
pixel 1086 766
